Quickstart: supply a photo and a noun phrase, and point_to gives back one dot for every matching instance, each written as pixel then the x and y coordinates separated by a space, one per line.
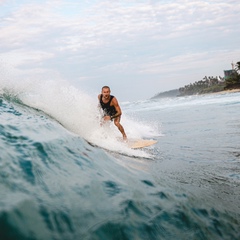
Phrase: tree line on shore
pixel 207 85
pixel 213 84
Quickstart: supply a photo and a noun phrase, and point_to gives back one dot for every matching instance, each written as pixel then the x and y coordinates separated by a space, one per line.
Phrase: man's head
pixel 106 91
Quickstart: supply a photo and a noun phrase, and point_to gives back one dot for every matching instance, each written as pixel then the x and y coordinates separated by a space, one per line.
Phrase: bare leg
pixel 120 127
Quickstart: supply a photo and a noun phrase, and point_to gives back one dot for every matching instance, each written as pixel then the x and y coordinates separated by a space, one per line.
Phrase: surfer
pixel 111 109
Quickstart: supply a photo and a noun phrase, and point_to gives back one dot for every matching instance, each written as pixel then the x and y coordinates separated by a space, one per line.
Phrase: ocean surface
pixel 63 176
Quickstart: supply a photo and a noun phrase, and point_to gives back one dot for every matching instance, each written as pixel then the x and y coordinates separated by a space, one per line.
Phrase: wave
pixel 54 185
pixel 77 111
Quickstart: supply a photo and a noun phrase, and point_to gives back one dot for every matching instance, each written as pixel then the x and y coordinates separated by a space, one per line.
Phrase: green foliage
pixel 213 84
pixel 208 84
pixel 233 81
pixel 238 66
pixel 215 88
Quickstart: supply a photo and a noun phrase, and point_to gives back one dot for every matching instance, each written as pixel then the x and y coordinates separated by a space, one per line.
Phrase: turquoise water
pixel 62 176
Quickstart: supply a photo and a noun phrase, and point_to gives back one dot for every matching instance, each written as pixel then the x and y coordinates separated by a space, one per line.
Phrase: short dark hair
pixel 105 87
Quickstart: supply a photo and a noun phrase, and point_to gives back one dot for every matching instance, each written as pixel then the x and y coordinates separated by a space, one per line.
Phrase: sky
pixel 137 47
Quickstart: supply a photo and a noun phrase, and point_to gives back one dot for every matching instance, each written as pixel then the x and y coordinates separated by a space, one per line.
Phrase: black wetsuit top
pixel 107 109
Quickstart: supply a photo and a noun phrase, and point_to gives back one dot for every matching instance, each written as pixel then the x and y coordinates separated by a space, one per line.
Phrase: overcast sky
pixel 139 48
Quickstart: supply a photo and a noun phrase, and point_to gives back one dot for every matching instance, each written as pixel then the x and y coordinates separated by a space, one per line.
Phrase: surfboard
pixel 140 143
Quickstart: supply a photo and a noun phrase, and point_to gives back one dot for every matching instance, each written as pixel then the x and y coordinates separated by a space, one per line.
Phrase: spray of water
pixel 77 111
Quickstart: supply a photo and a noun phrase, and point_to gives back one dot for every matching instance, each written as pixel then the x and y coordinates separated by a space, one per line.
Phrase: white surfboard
pixel 140 143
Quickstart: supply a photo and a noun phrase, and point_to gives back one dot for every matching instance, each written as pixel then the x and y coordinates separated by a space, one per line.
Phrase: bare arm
pixel 117 107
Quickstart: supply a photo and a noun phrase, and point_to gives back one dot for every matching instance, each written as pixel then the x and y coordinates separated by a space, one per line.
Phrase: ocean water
pixel 63 176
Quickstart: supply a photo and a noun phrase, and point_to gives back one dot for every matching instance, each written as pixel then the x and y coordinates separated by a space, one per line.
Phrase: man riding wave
pixel 111 109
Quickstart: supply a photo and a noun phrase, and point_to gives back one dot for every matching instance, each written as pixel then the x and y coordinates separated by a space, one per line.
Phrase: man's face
pixel 106 92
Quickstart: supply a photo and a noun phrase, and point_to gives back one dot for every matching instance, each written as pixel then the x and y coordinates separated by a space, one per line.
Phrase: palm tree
pixel 238 66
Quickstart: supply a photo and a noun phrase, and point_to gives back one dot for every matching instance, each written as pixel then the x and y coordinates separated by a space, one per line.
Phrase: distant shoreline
pixel 225 91
pixel 175 93
pixel 215 93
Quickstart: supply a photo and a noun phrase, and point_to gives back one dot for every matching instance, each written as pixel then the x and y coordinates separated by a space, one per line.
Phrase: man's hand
pixel 107 118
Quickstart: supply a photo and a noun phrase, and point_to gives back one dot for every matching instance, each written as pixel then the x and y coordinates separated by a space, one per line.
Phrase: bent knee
pixel 117 123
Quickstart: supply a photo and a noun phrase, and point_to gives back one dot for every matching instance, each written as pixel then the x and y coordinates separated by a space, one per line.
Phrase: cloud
pixel 22 57
pixel 143 39
pixel 105 22
pixel 190 62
